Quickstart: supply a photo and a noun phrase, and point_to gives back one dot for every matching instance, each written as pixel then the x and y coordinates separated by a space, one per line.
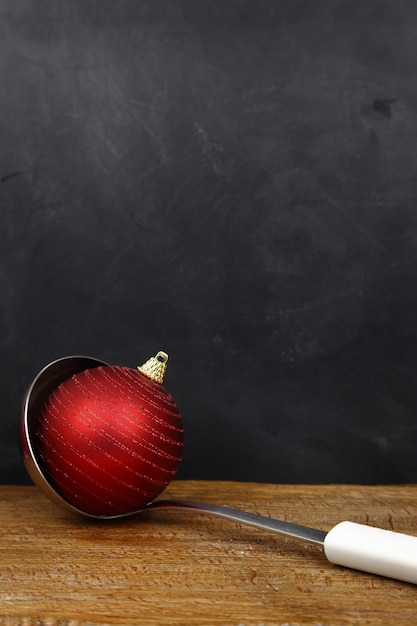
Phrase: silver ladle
pixel 349 544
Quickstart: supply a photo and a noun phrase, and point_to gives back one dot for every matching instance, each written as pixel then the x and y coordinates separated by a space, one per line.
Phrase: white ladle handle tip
pixel 373 550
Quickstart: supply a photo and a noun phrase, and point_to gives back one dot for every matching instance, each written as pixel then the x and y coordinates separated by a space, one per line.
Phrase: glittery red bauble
pixel 109 440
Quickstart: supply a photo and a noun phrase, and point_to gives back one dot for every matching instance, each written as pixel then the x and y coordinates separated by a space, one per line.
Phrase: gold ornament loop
pixel 155 367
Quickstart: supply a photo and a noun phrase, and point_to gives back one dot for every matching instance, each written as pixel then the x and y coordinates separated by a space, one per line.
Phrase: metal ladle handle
pixel 252 519
pixel 357 546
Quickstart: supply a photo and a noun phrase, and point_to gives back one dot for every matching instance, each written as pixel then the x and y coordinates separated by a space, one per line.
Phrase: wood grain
pixel 181 567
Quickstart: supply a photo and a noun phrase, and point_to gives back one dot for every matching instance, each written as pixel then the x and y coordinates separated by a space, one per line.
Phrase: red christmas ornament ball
pixel 109 440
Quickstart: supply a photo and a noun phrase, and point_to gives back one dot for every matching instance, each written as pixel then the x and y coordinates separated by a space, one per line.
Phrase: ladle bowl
pixel 349 544
pixel 46 381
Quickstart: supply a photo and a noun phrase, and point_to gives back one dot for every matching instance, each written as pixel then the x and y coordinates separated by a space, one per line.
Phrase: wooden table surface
pixel 181 567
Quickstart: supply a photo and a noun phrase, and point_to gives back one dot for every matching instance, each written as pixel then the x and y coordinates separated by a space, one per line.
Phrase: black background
pixel 234 183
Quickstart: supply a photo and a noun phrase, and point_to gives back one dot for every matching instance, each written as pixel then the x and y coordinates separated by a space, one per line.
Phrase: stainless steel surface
pixel 253 519
pixel 44 383
pixel 61 369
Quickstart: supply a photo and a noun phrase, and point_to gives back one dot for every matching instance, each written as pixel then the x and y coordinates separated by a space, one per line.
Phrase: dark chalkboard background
pixel 233 182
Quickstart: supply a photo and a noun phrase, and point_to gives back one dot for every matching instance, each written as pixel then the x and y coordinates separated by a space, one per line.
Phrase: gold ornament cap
pixel 155 367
